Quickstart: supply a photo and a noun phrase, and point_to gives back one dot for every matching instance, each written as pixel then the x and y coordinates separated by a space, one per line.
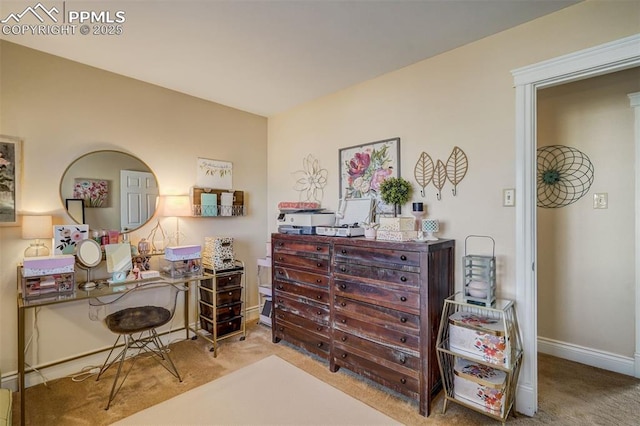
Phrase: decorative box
pixel 479 337
pixel 47 265
pixel 218 253
pixel 397 224
pixel 180 268
pixel 182 253
pixel 396 235
pixel 48 285
pixel 480 385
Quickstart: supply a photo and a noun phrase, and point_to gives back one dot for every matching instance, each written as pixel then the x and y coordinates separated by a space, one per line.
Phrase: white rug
pixel 269 392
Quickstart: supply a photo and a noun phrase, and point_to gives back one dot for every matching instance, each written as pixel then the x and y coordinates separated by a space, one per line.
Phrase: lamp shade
pixel 34 227
pixel 174 205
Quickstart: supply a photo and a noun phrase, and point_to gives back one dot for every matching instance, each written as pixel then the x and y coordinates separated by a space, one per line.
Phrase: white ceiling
pixel 268 56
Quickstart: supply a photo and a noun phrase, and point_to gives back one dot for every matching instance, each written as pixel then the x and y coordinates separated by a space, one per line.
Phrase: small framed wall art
pixel 10 177
pixel 214 174
pixel 94 192
pixel 364 167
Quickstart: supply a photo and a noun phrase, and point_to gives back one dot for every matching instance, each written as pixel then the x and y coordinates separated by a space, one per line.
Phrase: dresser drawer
pixel 397 339
pixel 316 294
pixel 225 282
pixel 396 380
pixel 389 318
pixel 289 319
pixel 314 311
pixel 295 275
pixel 300 247
pixel 396 297
pixel 314 343
pixel 394 276
pixel 366 256
pixel 384 355
pixel 315 264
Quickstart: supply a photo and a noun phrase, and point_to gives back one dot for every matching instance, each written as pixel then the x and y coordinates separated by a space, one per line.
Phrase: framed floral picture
pixel 364 167
pixel 65 237
pixel 10 174
pixel 94 192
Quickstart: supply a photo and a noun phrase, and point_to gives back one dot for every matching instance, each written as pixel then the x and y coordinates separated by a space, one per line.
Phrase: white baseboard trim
pixel 526 400
pixel 588 356
pixel 637 358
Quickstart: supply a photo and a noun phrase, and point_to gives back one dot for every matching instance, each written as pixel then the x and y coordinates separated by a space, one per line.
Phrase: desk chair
pixel 134 316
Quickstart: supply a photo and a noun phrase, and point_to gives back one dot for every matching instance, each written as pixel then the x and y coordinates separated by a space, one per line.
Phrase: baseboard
pixel 588 356
pixel 526 400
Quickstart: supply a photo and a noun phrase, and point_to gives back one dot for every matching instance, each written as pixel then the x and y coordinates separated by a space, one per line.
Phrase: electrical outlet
pixel 509 197
pixel 600 200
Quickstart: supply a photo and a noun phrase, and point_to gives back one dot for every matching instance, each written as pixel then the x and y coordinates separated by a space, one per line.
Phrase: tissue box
pixel 480 385
pixel 397 224
pixel 47 265
pixel 180 268
pixel 396 235
pixel 182 253
pixel 479 337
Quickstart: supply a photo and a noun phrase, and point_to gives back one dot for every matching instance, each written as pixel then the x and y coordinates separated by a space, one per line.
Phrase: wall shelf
pixel 207 202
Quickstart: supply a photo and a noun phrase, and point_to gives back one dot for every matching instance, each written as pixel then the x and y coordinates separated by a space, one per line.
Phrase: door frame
pixel 606 58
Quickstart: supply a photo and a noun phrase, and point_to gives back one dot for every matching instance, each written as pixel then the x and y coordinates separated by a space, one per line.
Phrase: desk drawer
pixel 377 294
pixel 294 291
pixel 313 311
pixel 294 275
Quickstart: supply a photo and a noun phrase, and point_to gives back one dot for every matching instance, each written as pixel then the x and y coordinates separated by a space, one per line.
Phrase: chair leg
pixel 164 355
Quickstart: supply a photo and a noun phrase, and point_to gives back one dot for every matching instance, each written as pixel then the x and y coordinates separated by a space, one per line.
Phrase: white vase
pixel 370 233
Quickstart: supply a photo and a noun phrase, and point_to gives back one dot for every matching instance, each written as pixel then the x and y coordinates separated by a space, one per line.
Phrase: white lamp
pixel 430 227
pixel 175 206
pixel 35 228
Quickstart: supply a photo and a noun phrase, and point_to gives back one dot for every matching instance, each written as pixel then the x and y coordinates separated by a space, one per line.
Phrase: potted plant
pixel 396 191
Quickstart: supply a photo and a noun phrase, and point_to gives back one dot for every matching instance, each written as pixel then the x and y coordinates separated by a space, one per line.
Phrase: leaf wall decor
pixel 439 177
pixel 423 171
pixel 457 166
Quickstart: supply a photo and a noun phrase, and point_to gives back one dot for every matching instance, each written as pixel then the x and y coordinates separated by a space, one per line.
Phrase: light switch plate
pixel 600 200
pixel 509 197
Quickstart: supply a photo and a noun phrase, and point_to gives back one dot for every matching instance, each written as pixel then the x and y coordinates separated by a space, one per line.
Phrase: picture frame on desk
pixel 363 168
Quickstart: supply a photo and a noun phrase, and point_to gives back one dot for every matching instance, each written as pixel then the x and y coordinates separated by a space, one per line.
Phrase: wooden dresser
pixel 372 307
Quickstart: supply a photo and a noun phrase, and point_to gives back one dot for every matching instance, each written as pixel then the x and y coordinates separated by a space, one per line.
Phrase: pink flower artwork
pixel 94 192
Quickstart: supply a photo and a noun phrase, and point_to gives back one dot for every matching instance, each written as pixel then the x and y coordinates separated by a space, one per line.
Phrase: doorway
pixel 615 56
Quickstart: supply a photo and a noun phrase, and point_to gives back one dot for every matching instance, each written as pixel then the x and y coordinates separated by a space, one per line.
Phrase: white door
pixel 138 193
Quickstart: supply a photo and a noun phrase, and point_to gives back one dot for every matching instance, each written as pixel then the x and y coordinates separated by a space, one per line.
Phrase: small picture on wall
pixel 364 167
pixel 94 192
pixel 214 174
pixel 10 163
pixel 67 236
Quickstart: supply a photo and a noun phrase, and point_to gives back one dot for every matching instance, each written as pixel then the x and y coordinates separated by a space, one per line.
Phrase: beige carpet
pixel 570 393
pixel 268 392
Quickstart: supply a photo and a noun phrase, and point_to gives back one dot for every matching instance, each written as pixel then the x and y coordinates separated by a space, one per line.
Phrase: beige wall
pixel 461 98
pixel 586 257
pixel 62 110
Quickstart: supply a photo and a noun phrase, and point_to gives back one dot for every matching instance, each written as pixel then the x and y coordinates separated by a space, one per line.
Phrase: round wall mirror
pixel 109 190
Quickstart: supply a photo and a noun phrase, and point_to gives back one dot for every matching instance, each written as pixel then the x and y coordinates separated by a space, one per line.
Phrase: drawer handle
pixel 403 279
pixel 280 258
pixel 343 286
pixel 229 278
pixel 343 338
pixel 343 304
pixel 280 287
pixel 318 248
pixel 280 244
pixel 319 297
pixel 403 320
pixel 343 251
pixel 343 356
pixel 281 272
pixel 403 360
pixel 280 301
pixel 319 281
pixel 319 328
pixel 403 257
pixel 230 293
pixel 403 381
pixel 403 299
pixel 403 339
pixel 281 328
pixel 319 265
pixel 343 269
pixel 319 312
pixel 344 321
pixel 319 345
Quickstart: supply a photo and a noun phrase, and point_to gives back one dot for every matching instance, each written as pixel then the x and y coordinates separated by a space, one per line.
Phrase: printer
pixel 304 222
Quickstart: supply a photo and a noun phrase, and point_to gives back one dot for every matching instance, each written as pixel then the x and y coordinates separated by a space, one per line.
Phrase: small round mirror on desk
pixel 88 255
pixel 109 190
